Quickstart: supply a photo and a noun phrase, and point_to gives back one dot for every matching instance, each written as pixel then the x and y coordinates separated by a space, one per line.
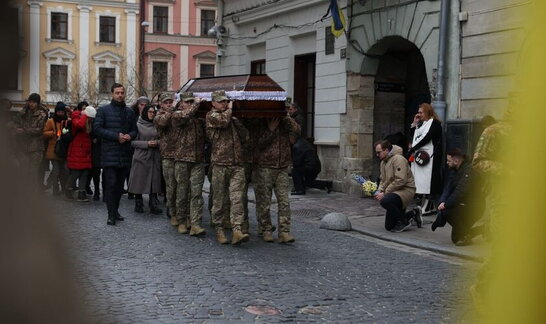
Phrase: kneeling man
pixel 396 187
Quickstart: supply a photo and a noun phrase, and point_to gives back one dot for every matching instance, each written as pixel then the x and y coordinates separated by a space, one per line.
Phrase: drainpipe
pixel 220 22
pixel 440 104
pixel 141 65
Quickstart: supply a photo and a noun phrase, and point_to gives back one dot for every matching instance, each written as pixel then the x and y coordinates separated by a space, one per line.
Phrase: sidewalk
pixel 367 217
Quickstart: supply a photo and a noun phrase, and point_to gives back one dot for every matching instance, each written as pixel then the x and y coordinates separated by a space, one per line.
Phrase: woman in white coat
pixel 427 138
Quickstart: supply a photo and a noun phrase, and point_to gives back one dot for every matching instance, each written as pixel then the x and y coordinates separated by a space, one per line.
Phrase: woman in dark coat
pixel 145 176
pixel 428 138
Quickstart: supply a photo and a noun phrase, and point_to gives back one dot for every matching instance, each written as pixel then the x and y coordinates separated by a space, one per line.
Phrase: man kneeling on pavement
pixel 458 206
pixel 396 187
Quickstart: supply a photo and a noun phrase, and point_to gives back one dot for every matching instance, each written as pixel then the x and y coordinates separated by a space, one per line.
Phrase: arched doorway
pixel 401 85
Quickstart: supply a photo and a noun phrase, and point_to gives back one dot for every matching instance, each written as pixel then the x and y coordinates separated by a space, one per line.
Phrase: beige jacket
pixel 396 176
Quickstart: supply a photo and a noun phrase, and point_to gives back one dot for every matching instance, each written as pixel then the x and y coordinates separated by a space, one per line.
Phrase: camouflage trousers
pixel 266 181
pixel 31 164
pixel 189 191
pixel 228 181
pixel 170 184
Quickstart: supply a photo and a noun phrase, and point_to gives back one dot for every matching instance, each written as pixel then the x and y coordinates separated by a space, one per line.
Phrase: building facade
pixel 369 83
pixel 75 50
pixel 176 44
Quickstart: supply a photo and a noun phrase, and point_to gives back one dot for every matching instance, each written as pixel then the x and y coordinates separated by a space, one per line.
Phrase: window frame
pixel 111 29
pixel 165 75
pixel 59 14
pixel 60 10
pixel 53 79
pixel 165 19
pixel 106 89
pixel 201 65
pixel 198 24
pixel 107 13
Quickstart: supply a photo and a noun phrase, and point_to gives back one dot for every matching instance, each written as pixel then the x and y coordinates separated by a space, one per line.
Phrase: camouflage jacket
pixel 487 156
pixel 190 145
pixel 228 136
pixel 32 125
pixel 273 148
pixel 168 136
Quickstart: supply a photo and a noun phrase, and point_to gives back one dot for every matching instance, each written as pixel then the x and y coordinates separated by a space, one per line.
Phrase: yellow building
pixel 75 50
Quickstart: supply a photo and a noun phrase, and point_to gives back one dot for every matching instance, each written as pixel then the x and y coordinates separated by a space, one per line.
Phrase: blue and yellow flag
pixel 338 19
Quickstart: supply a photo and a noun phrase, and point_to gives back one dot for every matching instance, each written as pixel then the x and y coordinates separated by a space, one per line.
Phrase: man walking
pixel 396 187
pixel 115 125
pixel 228 137
pixel 272 161
pixel 189 169
pixel 167 142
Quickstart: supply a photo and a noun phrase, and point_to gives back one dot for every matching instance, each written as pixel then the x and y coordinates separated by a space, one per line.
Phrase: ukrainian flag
pixel 338 20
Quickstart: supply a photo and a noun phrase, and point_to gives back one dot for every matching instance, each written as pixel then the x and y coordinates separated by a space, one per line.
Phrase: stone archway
pixel 382 100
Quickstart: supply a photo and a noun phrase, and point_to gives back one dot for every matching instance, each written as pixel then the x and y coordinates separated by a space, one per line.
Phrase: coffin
pixel 254 95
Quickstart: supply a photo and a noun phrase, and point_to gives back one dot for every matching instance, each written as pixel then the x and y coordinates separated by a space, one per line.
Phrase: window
pixel 207 21
pixel 206 70
pixel 161 19
pixel 59 25
pixel 329 41
pixel 107 32
pixel 58 77
pixel 107 77
pixel 257 67
pixel 159 76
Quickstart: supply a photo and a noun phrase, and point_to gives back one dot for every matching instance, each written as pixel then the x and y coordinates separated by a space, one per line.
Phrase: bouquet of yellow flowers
pixel 369 188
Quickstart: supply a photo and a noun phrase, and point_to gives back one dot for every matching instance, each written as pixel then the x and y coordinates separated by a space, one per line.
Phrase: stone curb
pixel 418 244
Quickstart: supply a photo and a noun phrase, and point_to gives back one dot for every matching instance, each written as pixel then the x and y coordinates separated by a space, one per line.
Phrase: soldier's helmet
pixel 165 96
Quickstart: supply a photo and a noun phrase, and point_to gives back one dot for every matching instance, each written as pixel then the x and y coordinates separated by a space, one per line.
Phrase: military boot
pixel 182 228
pixel 267 236
pixel 221 236
pixel 285 237
pixel 111 219
pixel 197 230
pixel 238 237
pixel 174 221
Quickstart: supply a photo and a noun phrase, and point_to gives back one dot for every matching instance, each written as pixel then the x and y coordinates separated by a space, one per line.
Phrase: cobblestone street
pixel 143 271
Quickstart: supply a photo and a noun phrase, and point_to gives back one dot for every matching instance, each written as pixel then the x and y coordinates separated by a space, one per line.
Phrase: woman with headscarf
pixel 145 176
pixel 426 155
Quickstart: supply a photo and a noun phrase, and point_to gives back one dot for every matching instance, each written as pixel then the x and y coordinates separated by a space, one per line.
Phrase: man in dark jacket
pixel 456 205
pixel 306 167
pixel 115 125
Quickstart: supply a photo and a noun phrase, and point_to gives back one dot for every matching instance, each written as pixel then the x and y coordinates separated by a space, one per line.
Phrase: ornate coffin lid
pixel 254 95
pixel 238 87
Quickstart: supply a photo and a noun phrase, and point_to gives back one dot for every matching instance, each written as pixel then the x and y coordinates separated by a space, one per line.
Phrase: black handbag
pixel 422 158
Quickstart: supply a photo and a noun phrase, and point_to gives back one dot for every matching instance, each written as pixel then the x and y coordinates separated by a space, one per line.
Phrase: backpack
pixel 61 146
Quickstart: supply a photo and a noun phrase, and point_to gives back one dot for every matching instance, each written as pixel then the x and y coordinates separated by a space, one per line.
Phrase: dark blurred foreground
pixel 35 275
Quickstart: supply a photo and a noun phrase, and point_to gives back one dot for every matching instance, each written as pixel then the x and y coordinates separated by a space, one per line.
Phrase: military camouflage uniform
pixel 30 143
pixel 272 160
pixel 167 144
pixel 228 137
pixel 189 169
pixel 487 164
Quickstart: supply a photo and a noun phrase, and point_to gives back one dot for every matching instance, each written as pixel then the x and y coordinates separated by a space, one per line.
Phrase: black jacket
pixel 111 120
pixel 458 188
pixel 304 155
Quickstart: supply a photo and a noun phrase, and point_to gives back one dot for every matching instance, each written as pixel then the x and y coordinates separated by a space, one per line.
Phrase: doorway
pixel 401 85
pixel 304 91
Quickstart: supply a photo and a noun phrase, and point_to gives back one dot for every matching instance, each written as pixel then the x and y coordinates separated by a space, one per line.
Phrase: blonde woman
pixel 426 155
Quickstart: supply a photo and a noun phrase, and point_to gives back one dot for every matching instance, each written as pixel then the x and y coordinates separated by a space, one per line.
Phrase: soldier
pixel 28 127
pixel 487 163
pixel 167 144
pixel 228 137
pixel 189 169
pixel 272 161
